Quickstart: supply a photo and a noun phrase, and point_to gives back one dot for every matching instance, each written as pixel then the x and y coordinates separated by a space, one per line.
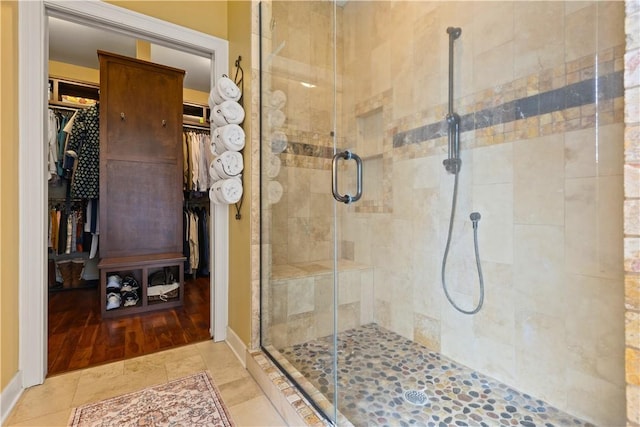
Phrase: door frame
pixel 33 228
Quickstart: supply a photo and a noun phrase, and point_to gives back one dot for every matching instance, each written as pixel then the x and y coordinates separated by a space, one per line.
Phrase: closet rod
pixel 197 127
pixel 61 107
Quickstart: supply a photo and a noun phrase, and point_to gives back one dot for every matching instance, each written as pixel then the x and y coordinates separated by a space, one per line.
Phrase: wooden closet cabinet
pixel 140 169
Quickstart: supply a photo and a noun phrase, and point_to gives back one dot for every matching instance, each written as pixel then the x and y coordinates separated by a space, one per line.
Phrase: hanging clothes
pixel 196 238
pixel 92 227
pixel 206 157
pixel 66 123
pixel 203 242
pixel 52 145
pixel 194 161
pixel 66 228
pixel 85 143
pixel 197 158
pixel 193 241
pixel 186 247
pixel 186 164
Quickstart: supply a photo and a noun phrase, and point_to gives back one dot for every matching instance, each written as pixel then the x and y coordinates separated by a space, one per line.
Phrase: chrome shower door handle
pixel 347 155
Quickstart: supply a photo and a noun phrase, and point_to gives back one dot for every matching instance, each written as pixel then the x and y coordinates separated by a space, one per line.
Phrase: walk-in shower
pixel 358 103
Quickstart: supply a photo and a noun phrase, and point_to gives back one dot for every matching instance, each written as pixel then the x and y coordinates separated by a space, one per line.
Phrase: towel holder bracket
pixel 238 79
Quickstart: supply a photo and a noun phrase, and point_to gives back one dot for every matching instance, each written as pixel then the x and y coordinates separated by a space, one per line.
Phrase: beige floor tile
pixel 60 418
pixel 222 363
pixel 90 390
pixel 102 372
pixel 239 391
pixel 51 403
pixel 54 395
pixel 256 412
pixel 187 366
pixel 174 354
pixel 143 364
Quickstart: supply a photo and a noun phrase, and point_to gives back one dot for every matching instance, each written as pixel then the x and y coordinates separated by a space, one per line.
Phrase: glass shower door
pixel 297 210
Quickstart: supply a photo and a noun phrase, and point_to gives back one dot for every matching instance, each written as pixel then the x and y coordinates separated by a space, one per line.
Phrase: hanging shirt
pixel 63 134
pixel 85 142
pixel 52 144
pixel 185 241
pixel 194 148
pixel 209 158
pixel 186 169
pixel 193 241
pixel 203 243
pixel 203 167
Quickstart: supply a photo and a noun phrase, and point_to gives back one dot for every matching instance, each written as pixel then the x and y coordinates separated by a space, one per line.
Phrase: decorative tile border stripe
pixel 304 149
pixel 554 111
pixel 573 95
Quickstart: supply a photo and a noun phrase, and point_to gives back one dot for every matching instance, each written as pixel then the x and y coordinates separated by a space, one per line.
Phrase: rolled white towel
pixel 279 142
pixel 229 137
pixel 227 165
pixel 214 174
pixel 278 99
pixel 276 118
pixel 224 90
pixel 274 192
pixel 229 112
pixel 273 166
pixel 226 191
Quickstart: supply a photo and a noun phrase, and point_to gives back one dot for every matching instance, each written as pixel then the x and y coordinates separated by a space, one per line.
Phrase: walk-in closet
pixel 129 233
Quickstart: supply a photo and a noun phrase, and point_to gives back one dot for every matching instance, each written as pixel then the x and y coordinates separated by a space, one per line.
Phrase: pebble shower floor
pixel 381 373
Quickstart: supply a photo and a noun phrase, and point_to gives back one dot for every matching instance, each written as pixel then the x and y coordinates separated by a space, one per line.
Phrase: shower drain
pixel 416 397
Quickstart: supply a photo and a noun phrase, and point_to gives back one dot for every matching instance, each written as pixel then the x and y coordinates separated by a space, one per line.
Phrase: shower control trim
pixel 346 155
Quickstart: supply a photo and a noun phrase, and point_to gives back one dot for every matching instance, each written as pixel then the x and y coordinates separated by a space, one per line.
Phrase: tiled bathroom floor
pixel 378 367
pixel 51 403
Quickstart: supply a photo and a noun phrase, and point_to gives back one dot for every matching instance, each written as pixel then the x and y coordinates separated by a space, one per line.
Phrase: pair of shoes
pixel 114 283
pixel 130 298
pixel 113 301
pixel 129 283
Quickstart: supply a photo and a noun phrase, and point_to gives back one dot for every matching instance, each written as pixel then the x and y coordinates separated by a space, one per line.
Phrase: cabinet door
pixel 143 112
pixel 140 157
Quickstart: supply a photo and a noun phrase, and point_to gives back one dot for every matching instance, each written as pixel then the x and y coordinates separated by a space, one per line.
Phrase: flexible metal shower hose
pixel 446 254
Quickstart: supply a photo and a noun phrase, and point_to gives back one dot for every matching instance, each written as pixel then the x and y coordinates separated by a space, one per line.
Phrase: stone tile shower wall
pixel 632 210
pixel 542 162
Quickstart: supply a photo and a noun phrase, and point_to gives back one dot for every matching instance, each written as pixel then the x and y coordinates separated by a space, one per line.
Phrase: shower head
pixel 475 217
pixel 454 32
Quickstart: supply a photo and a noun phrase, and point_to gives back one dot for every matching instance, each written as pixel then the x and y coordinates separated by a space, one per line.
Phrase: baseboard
pixel 10 396
pixel 237 346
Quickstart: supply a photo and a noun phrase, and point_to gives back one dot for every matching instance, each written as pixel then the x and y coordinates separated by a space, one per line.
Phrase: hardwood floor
pixel 79 338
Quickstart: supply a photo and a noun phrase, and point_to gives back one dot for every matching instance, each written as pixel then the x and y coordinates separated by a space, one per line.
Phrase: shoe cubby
pixel 147 271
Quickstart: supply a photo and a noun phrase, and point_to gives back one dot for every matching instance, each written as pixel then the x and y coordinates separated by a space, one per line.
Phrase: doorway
pixel 78 335
pixel 33 44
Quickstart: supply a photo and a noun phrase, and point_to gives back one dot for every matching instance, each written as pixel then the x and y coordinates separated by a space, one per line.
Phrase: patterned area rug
pixel 188 401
